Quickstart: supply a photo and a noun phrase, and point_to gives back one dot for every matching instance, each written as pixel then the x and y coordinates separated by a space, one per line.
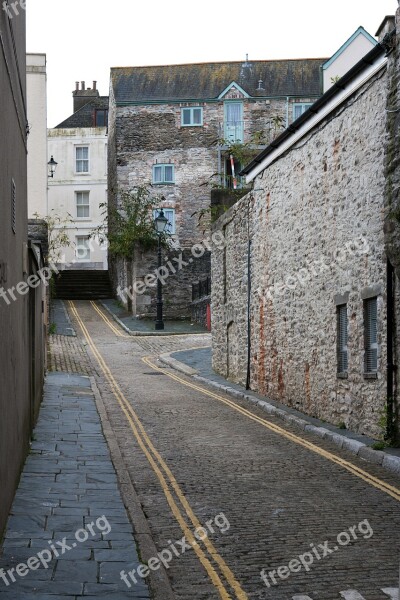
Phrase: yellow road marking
pixel 120 334
pixel 143 440
pixel 108 322
pixel 357 471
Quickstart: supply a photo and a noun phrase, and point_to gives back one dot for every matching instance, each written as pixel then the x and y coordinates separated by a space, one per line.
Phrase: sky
pixel 83 39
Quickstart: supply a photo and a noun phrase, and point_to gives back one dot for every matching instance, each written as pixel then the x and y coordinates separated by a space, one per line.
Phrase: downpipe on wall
pixel 391 368
pixel 248 297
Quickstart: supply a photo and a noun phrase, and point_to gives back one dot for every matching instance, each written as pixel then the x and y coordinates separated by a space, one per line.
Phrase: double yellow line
pixel 367 477
pixel 108 322
pixel 353 469
pixel 166 478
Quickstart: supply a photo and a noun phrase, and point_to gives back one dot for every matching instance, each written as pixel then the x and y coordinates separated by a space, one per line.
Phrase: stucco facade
pixel 306 243
pixel 77 196
pixel 21 354
pixel 36 90
pixel 353 50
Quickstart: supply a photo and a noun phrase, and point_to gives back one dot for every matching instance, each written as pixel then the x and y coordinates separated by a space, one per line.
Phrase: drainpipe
pixel 248 297
pixel 390 433
pixel 287 112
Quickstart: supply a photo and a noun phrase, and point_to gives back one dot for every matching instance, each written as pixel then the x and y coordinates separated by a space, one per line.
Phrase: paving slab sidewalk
pixel 68 534
pixel 198 364
pixel 135 326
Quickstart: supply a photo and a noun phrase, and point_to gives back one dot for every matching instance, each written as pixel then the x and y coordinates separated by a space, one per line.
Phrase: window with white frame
pixel 82 205
pixel 192 116
pixel 342 337
pixel 82 248
pixel 299 108
pixel 163 173
pixel 371 336
pixel 169 214
pixel 82 159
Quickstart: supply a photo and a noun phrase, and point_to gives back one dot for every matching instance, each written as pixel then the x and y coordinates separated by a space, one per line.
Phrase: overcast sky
pixel 84 38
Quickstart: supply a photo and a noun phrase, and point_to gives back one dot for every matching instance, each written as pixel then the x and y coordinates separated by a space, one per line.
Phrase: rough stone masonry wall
pixel 318 202
pixel 392 194
pixel 141 136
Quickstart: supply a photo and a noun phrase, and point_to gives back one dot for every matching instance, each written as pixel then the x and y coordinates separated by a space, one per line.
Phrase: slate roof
pixel 366 61
pixel 84 116
pixel 202 81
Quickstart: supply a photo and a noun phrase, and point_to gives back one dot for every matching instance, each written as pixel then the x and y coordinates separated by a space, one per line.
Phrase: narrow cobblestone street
pixel 265 495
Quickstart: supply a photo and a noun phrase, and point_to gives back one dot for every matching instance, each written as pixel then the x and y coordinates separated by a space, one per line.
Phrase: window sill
pixel 192 125
pixel 76 174
pixel 342 375
pixel 370 375
pixel 164 183
pixel 80 219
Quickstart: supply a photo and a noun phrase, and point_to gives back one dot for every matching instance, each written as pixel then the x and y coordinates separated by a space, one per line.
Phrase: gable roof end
pixel 367 66
pixel 343 47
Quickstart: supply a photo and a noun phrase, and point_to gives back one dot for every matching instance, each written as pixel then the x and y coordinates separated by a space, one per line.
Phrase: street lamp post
pixel 52 166
pixel 160 224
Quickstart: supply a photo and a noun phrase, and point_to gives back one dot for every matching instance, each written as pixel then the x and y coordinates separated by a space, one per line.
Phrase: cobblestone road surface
pixel 268 499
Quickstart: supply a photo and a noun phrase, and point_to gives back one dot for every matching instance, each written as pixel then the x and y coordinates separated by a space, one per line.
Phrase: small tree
pixel 128 225
pixel 58 238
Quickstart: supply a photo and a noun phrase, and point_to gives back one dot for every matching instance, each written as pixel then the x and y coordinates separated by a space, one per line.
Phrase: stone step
pixel 83 285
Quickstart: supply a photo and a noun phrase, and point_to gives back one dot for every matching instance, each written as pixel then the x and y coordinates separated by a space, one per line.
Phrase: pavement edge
pixel 387 461
pixel 159 583
pixel 145 333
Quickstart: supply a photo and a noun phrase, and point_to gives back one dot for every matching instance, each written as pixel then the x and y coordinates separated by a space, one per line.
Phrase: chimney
pixel 387 25
pixel 84 95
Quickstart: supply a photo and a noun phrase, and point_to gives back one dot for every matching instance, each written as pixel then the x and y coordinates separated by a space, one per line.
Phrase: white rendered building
pixel 36 94
pixel 78 188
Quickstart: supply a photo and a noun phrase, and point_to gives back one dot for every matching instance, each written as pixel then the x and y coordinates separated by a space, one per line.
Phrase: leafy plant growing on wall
pixel 128 225
pixel 58 238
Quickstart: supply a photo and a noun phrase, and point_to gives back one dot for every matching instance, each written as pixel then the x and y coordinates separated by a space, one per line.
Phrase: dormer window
pixel 101 117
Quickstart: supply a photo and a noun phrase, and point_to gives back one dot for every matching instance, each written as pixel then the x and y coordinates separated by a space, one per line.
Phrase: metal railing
pixel 228 182
pixel 201 289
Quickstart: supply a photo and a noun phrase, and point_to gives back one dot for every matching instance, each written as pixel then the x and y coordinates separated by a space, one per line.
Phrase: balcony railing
pixel 228 182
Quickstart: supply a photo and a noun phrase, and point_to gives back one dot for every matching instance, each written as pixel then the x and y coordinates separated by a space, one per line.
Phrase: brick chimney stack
pixel 82 96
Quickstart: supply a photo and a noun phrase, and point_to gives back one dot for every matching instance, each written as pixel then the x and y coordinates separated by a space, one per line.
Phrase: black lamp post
pixel 160 223
pixel 52 166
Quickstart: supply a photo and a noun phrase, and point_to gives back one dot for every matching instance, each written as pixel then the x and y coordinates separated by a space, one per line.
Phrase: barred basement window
pixel 342 337
pixel 370 336
pixel 13 206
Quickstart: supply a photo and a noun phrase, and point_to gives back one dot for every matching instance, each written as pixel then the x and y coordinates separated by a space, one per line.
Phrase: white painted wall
pixel 36 84
pixel 350 56
pixel 65 184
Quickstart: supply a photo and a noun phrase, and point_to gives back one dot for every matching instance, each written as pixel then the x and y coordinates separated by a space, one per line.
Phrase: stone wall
pixel 182 269
pixel 141 136
pixel 392 194
pixel 312 232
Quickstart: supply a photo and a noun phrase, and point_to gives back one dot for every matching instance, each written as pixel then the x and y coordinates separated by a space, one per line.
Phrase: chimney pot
pixel 95 85
pixel 83 85
pixel 77 86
